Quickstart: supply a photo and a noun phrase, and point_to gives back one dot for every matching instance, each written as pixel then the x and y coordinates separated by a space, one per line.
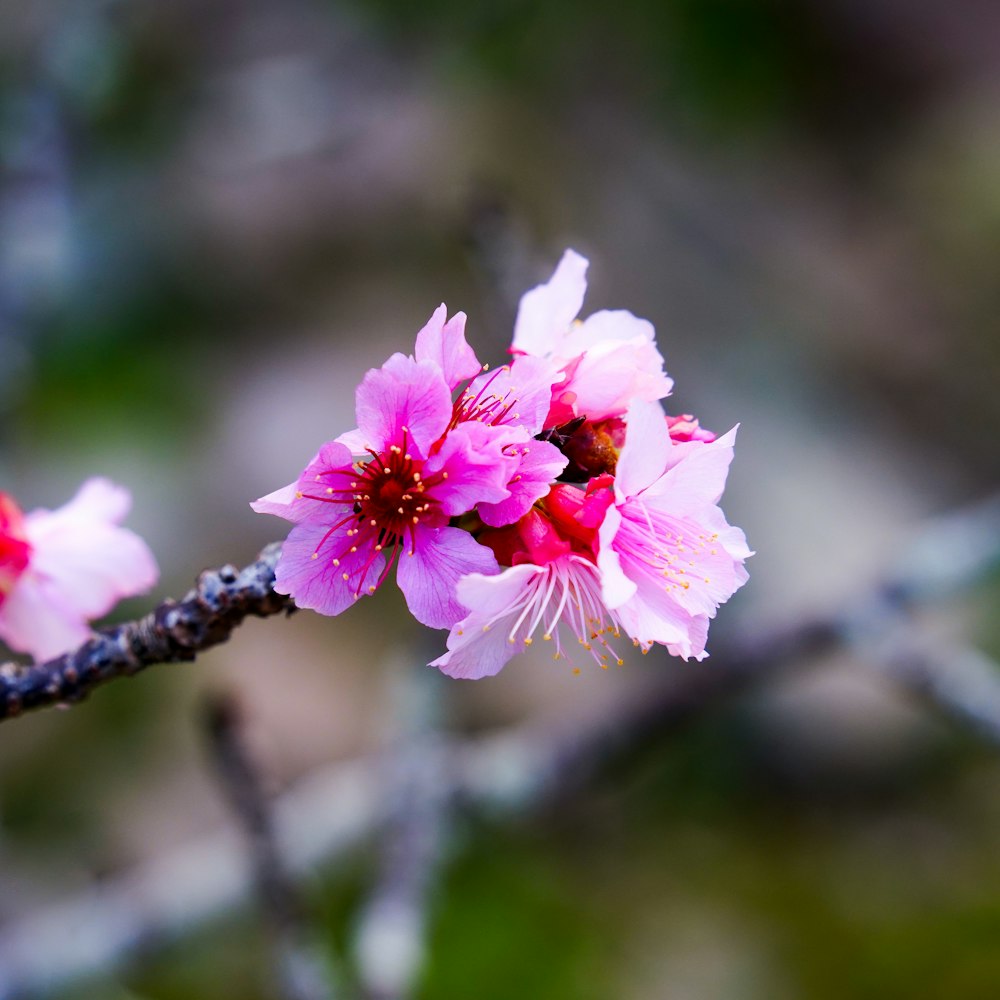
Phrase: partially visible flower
pixel 606 361
pixel 668 557
pixel 685 427
pixel 61 569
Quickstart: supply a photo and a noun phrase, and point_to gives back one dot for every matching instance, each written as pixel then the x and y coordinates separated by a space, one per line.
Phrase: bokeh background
pixel 214 217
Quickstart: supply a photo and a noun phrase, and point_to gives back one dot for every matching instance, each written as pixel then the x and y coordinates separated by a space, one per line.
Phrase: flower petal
pixel 546 312
pixel 286 502
pixel 610 375
pixel 476 467
pixel 608 326
pixel 697 479
pixel 403 393
pixel 35 620
pixel 442 342
pixel 644 454
pixel 318 570
pixel 523 389
pixel 479 646
pixel 428 578
pixel 616 587
pixel 97 499
pixel 87 562
pixel 539 464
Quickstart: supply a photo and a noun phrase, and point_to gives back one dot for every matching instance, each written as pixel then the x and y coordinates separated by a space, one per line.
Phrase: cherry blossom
pixel 667 555
pixel 553 586
pixel 61 569
pixel 385 493
pixel 605 361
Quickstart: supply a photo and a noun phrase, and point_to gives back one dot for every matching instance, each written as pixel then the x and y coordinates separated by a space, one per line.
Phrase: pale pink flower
pixel 552 587
pixel 507 612
pixel 606 361
pixel 61 569
pixel 668 558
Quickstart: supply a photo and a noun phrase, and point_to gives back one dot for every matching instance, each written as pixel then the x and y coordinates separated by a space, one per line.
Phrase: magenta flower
pixel 668 558
pixel 61 569
pixel 605 362
pixel 425 459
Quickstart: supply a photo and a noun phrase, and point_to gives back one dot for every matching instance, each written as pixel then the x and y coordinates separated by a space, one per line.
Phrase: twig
pixel 300 970
pixel 389 942
pixel 174 631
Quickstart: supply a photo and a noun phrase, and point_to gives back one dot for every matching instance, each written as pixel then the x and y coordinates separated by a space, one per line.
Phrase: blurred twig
pixel 173 631
pixel 390 937
pixel 300 970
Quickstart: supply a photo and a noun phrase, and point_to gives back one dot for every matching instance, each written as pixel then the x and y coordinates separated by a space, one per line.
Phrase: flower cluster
pixel 549 497
pixel 61 569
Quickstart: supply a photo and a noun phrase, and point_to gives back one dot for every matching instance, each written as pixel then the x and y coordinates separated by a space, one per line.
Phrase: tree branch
pixel 299 968
pixel 173 631
pixel 951 552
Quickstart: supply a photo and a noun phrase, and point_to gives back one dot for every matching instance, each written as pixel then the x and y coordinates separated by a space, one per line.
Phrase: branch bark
pixel 172 632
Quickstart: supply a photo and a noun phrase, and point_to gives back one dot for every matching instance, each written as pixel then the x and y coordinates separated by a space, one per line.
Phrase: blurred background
pixel 215 217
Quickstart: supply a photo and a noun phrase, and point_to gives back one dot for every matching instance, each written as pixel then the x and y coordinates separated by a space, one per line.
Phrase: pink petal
pixel 97 499
pixel 616 587
pixel 651 617
pixel 478 646
pixel 611 375
pixel 608 326
pixel 525 386
pixel 539 464
pixel 318 583
pixel 644 454
pixel 84 559
pixel 442 342
pixel 693 646
pixel 404 393
pixel 353 441
pixel 428 578
pixel 697 480
pixel 35 620
pixel 699 573
pixel 286 502
pixel 476 466
pixel 281 503
pixel 546 312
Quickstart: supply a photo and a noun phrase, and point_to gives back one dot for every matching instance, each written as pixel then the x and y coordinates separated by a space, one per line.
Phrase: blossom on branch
pixel 385 494
pixel 61 569
pixel 551 498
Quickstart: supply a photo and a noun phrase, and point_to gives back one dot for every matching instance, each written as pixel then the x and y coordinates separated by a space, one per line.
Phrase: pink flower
pixel 61 569
pixel 668 558
pixel 685 427
pixel 426 458
pixel 606 361
pixel 553 585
